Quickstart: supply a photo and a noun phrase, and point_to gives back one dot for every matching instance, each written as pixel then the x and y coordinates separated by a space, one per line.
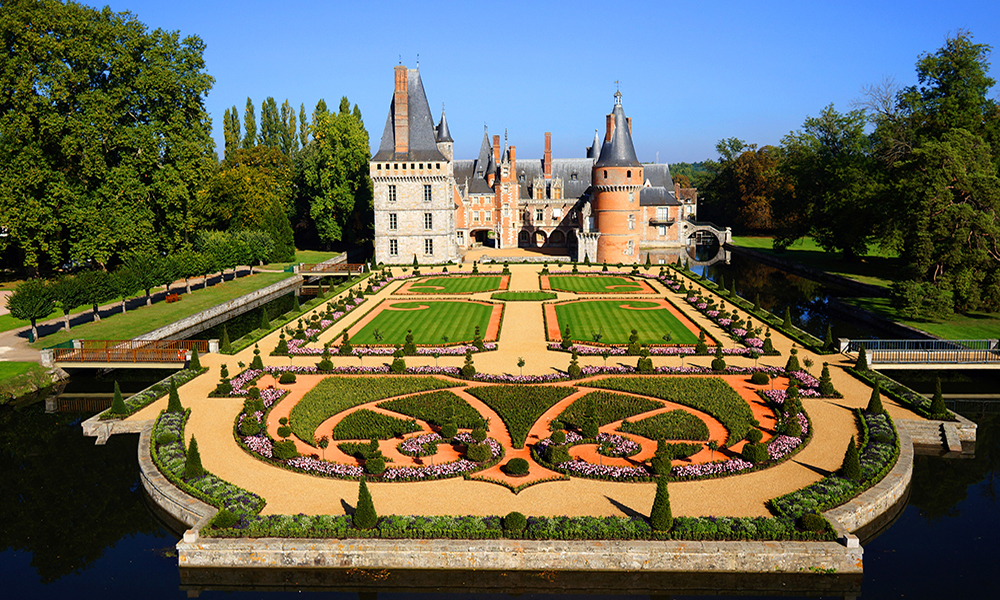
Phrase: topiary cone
pixel 364 515
pixel 862 362
pixel 174 400
pixel 192 464
pixel 851 468
pixel 118 404
pixel 661 518
pixel 195 363
pixel 937 402
pixel 875 402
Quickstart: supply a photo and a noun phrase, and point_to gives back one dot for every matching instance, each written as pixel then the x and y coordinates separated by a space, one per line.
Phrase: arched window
pixel 628 174
pixel 605 173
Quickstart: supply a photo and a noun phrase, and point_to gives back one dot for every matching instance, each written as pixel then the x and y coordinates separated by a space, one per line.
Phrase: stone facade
pixel 635 211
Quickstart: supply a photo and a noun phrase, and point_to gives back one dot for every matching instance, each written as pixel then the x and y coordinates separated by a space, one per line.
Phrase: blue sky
pixel 691 73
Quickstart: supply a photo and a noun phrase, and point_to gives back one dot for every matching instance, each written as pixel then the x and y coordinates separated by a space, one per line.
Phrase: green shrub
pixel 284 431
pixel 516 466
pixel 759 379
pixel 514 522
pixel 661 518
pixel 225 346
pixel 375 465
pixel 449 430
pixel 875 401
pixel 862 362
pixel 364 514
pixel 256 363
pixel 117 403
pixel 718 363
pixel 754 453
pixel 195 363
pixel 287 378
pixel 249 426
pixel 793 428
pixel 192 463
pixel 590 428
pixel 607 407
pixel 574 371
pixel 166 437
pixel 174 402
pixel 558 454
pixel 479 452
pixel 813 522
pixel 787 323
pixel 284 450
pixel 409 348
pixel 754 436
pixel 559 437
pixel 851 467
pixel 224 519
pixel 825 383
pixel 768 344
pixel 938 408
pixel 701 348
pixel 479 434
pixel 468 369
pixel 793 361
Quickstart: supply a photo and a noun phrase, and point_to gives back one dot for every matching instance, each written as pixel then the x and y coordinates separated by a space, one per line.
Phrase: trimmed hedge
pixel 366 424
pixel 519 407
pixel 709 394
pixel 336 394
pixel 608 407
pixel 900 393
pixel 674 425
pixel 430 407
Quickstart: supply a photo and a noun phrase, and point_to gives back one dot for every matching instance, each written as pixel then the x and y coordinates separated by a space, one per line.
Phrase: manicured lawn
pixel 594 284
pixel 878 268
pixel 303 256
pixel 456 319
pixel 147 318
pixel 615 323
pixel 523 296
pixel 971 326
pixel 455 285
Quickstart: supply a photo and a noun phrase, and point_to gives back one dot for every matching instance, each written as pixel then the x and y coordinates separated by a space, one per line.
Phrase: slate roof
pixel 618 151
pixel 657 196
pixel 443 135
pixel 422 143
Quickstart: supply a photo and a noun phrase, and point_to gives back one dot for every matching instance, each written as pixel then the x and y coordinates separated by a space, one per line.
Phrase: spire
pixel 595 149
pixel 485 153
pixel 618 150
pixel 443 135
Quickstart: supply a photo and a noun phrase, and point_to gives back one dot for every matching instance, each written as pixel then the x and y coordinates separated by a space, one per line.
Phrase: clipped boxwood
pixel 514 522
pixel 516 466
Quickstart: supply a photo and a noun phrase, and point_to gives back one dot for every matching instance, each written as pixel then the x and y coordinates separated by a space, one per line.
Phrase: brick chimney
pixel 512 153
pixel 401 116
pixel 496 149
pixel 629 119
pixel 548 155
pixel 611 128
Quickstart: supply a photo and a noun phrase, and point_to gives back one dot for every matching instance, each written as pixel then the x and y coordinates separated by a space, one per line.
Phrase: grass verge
pixel 20 378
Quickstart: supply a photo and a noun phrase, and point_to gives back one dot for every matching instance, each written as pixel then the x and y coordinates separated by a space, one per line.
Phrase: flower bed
pixel 170 458
pixel 878 454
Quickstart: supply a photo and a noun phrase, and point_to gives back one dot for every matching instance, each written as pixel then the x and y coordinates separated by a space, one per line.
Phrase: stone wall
pixel 569 555
pixel 211 317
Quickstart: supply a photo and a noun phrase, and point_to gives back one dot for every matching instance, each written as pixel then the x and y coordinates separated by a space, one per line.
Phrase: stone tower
pixel 413 180
pixel 617 180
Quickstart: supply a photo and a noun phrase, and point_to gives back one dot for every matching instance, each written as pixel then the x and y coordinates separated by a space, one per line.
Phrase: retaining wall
pixel 211 317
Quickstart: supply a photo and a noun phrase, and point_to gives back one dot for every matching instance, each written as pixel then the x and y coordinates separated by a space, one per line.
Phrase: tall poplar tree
pixel 303 126
pixel 249 126
pixel 270 124
pixel 231 130
pixel 289 133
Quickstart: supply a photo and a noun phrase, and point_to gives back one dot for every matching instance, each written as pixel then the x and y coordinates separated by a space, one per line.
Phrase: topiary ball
pixel 375 465
pixel 224 519
pixel 813 522
pixel 754 436
pixel 479 452
pixel 249 426
pixel 515 522
pixel 479 434
pixel 449 430
pixel 284 450
pixel 759 379
pixel 284 431
pixel 516 466
pixel 754 453
pixel 559 437
pixel 287 378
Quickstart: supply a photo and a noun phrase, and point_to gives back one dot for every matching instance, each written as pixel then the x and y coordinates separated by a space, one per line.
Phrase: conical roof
pixel 443 135
pixel 421 137
pixel 619 151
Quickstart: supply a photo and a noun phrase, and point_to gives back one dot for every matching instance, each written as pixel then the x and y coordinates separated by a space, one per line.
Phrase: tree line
pixel 106 149
pixel 913 170
pixel 212 252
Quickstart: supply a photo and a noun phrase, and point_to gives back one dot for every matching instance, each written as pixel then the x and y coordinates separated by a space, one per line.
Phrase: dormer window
pixel 573 176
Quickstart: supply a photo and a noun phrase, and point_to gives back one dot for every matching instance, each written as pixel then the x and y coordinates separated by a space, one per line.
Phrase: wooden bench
pixel 171 298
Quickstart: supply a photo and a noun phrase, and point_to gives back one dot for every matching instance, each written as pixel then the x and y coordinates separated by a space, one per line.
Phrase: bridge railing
pixel 306 269
pixel 927 351
pixel 130 351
